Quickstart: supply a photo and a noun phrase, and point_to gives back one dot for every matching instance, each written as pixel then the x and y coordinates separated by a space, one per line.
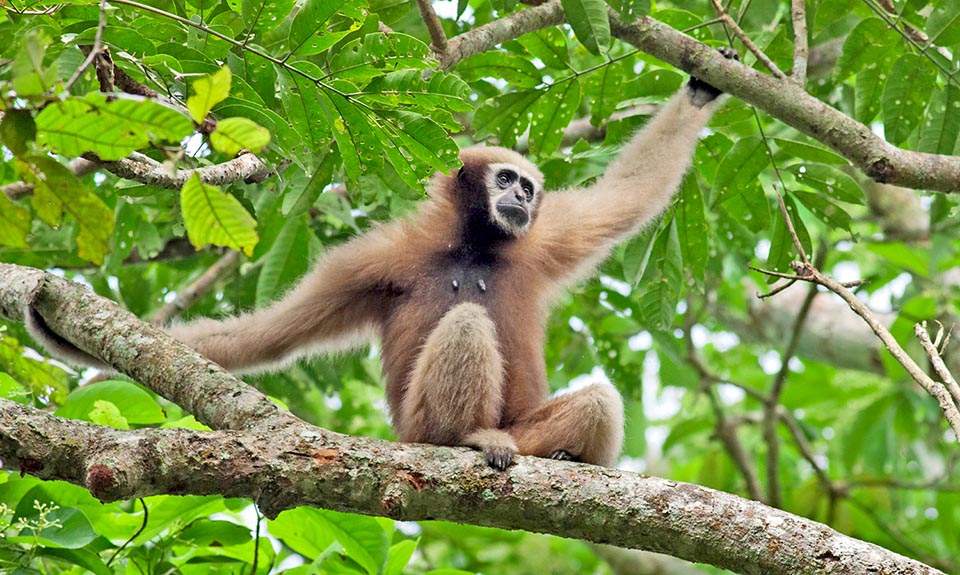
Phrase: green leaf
pixel 375 54
pixel 56 189
pixel 868 87
pixel 110 128
pixel 358 143
pixel 287 260
pixel 214 217
pixel 828 212
pixel 299 200
pixel 407 89
pixel 30 77
pixel 130 400
pixel 782 250
pixel 73 532
pixel 264 15
pixel 84 558
pixel 941 123
pixel 740 167
pixel 810 152
pixel 630 9
pixel 590 23
pixel 310 532
pixel 17 130
pixel 693 229
pixel 309 33
pixel 518 71
pixel 554 111
pixel 636 255
pixel 106 413
pixel 829 180
pixel 943 24
pixel 550 45
pixel 905 96
pixel 604 92
pixel 208 92
pixel 506 116
pixel 300 97
pixel 429 147
pixel 235 134
pixel 400 555
pixel 663 280
pixel 867 44
pixel 14 223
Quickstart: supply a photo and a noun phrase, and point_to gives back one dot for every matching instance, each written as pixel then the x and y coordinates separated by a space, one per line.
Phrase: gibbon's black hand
pixel 701 93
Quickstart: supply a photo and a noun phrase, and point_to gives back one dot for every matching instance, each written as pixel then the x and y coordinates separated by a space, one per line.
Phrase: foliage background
pixel 358 117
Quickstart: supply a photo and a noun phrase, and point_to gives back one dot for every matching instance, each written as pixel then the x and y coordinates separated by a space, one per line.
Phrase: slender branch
pixel 97 43
pixel 936 360
pixel 434 26
pixel 791 104
pixel 738 31
pixel 289 467
pixel 140 168
pixel 793 232
pixel 726 432
pixel 801 48
pixel 197 289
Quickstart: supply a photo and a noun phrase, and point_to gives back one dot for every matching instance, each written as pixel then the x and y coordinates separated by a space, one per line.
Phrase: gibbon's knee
pixel 456 384
pixel 586 425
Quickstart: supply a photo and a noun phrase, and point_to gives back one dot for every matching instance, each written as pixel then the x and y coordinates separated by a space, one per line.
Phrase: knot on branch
pixel 881 170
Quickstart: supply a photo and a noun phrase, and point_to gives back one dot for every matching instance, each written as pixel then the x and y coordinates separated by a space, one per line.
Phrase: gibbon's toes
pixel 499 458
pixel 702 93
pixel 563 455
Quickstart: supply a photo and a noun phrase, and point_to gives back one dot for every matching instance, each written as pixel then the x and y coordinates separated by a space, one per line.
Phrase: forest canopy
pixel 192 158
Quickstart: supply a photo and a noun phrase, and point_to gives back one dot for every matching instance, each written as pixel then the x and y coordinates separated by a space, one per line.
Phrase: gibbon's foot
pixel 563 455
pixel 499 457
pixel 701 93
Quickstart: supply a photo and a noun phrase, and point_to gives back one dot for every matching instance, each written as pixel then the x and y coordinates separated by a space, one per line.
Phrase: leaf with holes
pixel 506 116
pixel 235 134
pixel 111 129
pixel 309 33
pixel 905 96
pixel 208 92
pixel 299 97
pixel 263 15
pixel 550 45
pixel 554 111
pixel 363 59
pixel 740 167
pixel 518 71
pixel 868 43
pixel 693 229
pixel 214 217
pixel 590 23
pixel 829 180
pixel 603 91
pixel 943 24
pixel 356 137
pixel 941 122
pixel 663 280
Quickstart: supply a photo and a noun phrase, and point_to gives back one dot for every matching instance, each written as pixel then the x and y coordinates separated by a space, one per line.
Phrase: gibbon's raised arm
pixel 336 306
pixel 578 228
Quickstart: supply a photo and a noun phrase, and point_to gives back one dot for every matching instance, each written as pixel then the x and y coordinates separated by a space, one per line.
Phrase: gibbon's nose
pixel 518 193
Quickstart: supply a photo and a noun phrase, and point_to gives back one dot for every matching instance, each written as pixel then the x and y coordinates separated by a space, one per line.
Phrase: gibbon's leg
pixel 455 395
pixel 586 425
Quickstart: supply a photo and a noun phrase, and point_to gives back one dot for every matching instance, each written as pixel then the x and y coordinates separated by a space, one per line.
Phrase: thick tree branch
pixel 288 467
pixel 100 328
pixel 788 102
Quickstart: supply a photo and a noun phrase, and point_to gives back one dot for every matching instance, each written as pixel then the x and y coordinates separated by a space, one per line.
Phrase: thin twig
pixel 438 38
pixel 775 290
pixel 747 41
pixel 936 360
pixel 143 525
pixel 97 43
pixel 790 228
pixel 200 287
pixel 801 48
pixel 778 274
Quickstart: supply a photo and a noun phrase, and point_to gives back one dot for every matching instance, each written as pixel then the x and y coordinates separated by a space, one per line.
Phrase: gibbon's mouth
pixel 513 211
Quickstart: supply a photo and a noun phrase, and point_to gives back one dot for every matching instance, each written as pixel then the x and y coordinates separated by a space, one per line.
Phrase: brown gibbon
pixel 458 296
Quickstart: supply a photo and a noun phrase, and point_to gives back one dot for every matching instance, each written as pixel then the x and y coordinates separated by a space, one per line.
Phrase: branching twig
pixel 738 31
pixel 801 47
pixel 437 36
pixel 936 360
pixel 203 284
pixel 97 43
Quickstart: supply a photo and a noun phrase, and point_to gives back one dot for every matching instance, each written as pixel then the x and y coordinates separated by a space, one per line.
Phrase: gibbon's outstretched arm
pixel 578 228
pixel 335 307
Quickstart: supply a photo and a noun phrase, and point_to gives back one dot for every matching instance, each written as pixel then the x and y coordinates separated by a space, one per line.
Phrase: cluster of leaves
pixel 325 96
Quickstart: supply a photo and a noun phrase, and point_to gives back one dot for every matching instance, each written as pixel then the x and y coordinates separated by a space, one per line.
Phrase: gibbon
pixel 459 294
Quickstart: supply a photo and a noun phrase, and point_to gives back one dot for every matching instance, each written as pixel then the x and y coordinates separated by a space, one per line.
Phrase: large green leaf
pixel 214 217
pixel 868 43
pixel 235 134
pixel 310 532
pixel 554 111
pixel 604 91
pixel 263 15
pixel 14 223
pixel 693 229
pixel 300 97
pixel 550 45
pixel 30 76
pixel 135 404
pixel 208 92
pixel 943 24
pixel 829 180
pixel 782 249
pixel 663 280
pixel 110 127
pixel 287 260
pixel 309 33
pixel 740 167
pixel 356 137
pixel 408 89
pixel 506 116
pixel 56 189
pixel 941 123
pixel 516 70
pixel 905 95
pixel 590 23
pixel 375 54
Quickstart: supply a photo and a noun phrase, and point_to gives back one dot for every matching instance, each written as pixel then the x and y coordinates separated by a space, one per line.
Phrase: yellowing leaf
pixel 208 92
pixel 235 134
pixel 214 217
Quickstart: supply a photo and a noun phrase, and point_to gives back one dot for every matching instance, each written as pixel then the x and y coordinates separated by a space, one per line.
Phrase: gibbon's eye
pixel 504 178
pixel 527 189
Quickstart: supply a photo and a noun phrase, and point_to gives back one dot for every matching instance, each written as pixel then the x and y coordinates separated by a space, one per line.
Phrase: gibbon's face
pixel 513 196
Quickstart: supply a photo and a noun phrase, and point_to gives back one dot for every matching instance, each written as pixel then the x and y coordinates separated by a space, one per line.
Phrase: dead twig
pixel 742 36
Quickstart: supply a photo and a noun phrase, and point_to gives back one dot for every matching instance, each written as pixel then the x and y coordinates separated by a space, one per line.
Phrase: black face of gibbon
pixel 515 198
pixel 499 198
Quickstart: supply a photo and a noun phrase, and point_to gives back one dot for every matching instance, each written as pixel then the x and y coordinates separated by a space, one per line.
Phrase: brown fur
pixel 464 365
